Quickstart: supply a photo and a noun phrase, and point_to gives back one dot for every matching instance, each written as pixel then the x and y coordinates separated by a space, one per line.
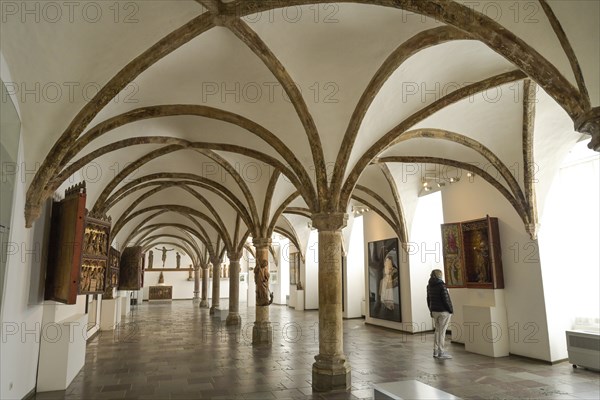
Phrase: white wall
pixel 22 298
pixel 574 294
pixel 524 292
pixel 182 288
pixel 310 273
pixel 281 288
pixel 248 263
pixel 425 254
pixel 354 281
pixel 171 260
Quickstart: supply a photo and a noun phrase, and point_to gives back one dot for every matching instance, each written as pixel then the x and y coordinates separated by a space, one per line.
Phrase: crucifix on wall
pixel 164 251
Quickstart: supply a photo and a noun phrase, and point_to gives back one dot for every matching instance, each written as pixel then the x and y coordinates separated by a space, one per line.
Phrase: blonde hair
pixel 437 273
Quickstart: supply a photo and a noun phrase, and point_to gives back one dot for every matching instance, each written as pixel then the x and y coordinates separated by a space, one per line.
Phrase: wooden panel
pixel 160 293
pixel 112 276
pixel 131 272
pixel 478 246
pixel 65 247
pixel 96 246
pixel 452 250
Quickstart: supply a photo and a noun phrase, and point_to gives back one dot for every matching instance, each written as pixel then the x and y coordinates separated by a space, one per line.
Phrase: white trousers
pixel 441 320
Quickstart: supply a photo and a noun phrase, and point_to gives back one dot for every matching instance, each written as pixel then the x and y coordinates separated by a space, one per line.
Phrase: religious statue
pixel 164 254
pixel 178 258
pixel 150 259
pixel 161 278
pixel 261 278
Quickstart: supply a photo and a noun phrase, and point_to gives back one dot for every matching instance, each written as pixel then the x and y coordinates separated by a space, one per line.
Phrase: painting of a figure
pixel 477 252
pixel 384 280
pixel 453 257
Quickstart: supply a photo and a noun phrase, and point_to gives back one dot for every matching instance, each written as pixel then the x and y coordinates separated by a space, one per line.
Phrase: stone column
pixel 331 371
pixel 262 331
pixel 196 284
pixel 204 301
pixel 216 287
pixel 233 318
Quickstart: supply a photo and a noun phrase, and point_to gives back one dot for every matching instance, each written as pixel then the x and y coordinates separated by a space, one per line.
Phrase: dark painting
pixel 384 280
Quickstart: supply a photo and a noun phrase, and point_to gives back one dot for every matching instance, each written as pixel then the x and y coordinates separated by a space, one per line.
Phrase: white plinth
pixel 292 300
pixel 221 314
pixel 62 352
pixel 300 300
pixel 110 314
pixel 411 389
pixel 485 330
pixel 125 305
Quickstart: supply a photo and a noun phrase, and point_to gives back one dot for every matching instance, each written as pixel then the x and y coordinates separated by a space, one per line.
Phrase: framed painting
pixel 294 264
pixel 274 278
pixel 452 250
pixel 112 277
pixel 482 253
pixel 384 280
pixel 96 248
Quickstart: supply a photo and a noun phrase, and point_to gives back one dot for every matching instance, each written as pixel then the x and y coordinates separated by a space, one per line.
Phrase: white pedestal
pixel 221 314
pixel 110 314
pixel 300 300
pixel 62 353
pixel 410 389
pixel 251 290
pixel 125 306
pixel 485 330
pixel 293 296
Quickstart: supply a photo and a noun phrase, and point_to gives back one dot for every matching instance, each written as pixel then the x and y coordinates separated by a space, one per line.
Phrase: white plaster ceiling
pixel 331 52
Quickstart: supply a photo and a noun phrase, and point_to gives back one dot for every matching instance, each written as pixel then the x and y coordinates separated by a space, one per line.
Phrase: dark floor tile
pixel 176 351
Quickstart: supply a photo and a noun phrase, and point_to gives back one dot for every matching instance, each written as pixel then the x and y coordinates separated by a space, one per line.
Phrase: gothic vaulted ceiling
pixel 208 122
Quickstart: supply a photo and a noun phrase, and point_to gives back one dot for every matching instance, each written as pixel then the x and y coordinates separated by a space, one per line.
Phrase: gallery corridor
pixel 177 351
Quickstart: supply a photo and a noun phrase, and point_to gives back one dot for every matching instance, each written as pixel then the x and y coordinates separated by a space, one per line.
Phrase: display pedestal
pixel 220 314
pixel 299 300
pixel 110 314
pixel 251 291
pixel 62 353
pixel 125 303
pixel 485 330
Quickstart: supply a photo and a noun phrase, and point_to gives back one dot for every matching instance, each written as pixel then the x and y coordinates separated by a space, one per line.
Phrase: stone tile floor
pixel 177 351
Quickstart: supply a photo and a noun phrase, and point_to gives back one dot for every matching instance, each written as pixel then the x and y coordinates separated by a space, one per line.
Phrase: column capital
pixel 333 221
pixel 234 257
pixel 589 123
pixel 261 242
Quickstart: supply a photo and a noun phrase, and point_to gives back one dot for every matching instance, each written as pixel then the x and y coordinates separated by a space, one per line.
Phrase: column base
pixel 233 318
pixel 212 309
pixel 203 303
pixel 262 333
pixel 330 374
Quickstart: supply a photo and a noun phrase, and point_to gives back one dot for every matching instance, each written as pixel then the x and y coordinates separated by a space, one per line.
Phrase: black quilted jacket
pixel 438 298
